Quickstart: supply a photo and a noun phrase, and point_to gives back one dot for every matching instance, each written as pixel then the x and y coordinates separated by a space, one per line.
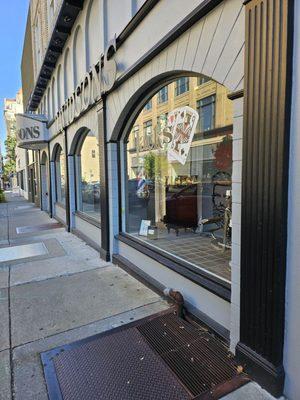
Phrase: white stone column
pixel 237 150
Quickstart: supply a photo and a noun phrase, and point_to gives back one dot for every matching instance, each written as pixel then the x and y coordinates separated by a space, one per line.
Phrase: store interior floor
pixel 198 250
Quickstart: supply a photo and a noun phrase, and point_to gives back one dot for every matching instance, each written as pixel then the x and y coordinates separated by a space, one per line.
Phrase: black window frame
pixel 182 85
pixel 77 175
pixel 57 161
pixel 163 95
pixel 148 106
pixel 202 79
pixel 146 141
pixel 204 279
pixel 200 107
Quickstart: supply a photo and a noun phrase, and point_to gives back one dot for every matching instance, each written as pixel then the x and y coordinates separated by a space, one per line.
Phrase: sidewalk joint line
pixel 85 325
pixel 61 276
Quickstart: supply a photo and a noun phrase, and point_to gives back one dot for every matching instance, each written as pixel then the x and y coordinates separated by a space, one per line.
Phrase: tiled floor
pixel 197 250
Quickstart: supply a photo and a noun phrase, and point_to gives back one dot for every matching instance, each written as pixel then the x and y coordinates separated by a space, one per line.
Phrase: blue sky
pixel 12 29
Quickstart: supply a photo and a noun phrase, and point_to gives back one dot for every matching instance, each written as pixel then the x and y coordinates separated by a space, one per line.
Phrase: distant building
pixel 11 108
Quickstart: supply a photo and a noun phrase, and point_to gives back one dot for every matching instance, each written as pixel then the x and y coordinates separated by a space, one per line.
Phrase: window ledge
pixel 205 279
pixel 58 203
pixel 88 219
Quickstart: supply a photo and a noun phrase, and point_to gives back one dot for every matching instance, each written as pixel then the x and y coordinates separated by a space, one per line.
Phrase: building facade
pixel 161 136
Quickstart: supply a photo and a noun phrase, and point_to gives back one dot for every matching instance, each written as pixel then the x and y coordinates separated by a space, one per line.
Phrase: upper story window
pixel 206 110
pixel 38 42
pixel 135 137
pixel 148 106
pixel 147 130
pixel 182 85
pixel 162 95
pixel 202 79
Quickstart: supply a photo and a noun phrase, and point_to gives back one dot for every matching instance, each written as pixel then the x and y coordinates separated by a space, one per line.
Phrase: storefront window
pixel 178 183
pixel 60 165
pixel 88 176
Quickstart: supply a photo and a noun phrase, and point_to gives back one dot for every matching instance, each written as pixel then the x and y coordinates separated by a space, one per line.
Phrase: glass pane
pixel 88 172
pixel 178 177
pixel 60 176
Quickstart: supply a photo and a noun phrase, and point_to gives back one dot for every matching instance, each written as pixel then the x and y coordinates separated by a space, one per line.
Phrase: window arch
pixel 78 56
pixel 60 182
pixel 87 169
pixel 93 34
pixel 49 112
pixel 59 85
pixel 68 80
pixel 177 174
pixel 54 104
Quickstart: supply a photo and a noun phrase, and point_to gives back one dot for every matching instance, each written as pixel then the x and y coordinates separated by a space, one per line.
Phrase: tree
pixel 149 166
pixel 10 163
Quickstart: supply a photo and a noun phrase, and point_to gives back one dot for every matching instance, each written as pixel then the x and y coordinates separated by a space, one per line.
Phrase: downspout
pixel 67 183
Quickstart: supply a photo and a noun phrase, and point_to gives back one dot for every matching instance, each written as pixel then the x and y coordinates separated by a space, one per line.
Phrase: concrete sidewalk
pixel 62 295
pixel 54 289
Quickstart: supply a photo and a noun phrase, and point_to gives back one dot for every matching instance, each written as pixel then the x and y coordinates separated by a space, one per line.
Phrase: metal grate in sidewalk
pixel 163 358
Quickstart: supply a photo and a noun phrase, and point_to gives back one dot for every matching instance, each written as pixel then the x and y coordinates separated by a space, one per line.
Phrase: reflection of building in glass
pixel 88 170
pixel 179 169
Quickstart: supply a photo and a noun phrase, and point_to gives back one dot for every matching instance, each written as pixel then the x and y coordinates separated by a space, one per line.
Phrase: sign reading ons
pixel 31 130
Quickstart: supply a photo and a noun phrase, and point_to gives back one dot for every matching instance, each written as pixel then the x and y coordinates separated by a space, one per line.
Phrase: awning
pixel 32 131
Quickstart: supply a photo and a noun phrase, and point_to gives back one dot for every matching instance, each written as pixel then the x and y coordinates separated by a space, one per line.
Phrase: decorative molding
pixel 104 201
pixel 268 75
pixel 236 95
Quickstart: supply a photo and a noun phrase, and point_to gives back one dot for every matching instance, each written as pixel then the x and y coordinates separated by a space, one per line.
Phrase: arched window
pixel 53 93
pixel 68 79
pixel 78 57
pixel 88 175
pixel 60 165
pixel 59 85
pixel 93 34
pixel 178 170
pixel 49 111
